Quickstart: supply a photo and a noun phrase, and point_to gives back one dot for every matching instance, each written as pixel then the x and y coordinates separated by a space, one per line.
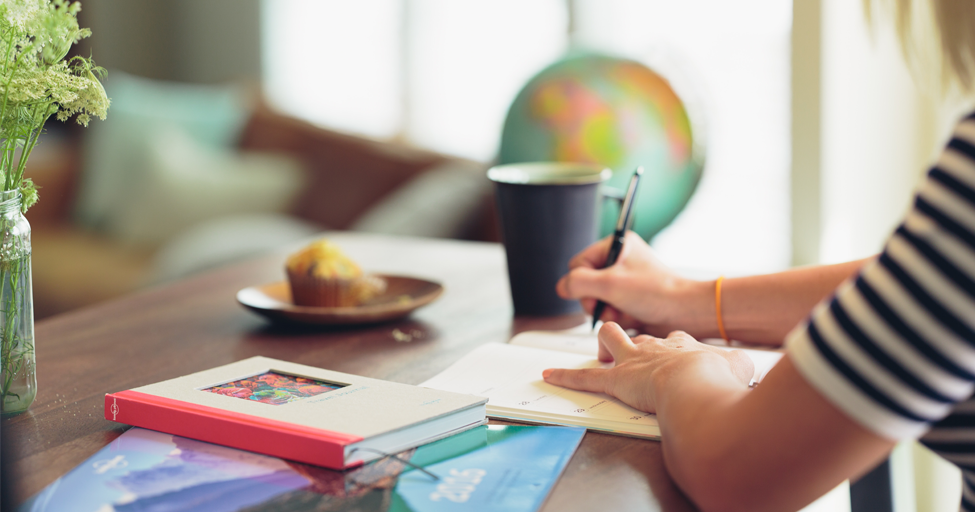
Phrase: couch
pixel 181 178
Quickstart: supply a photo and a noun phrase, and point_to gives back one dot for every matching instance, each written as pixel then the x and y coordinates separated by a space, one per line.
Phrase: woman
pixel 887 354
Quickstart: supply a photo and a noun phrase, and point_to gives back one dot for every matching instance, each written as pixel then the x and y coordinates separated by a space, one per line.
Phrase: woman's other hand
pixel 644 363
pixel 639 291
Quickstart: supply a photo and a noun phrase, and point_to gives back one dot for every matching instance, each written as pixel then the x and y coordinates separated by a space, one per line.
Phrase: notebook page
pixel 510 377
pixel 582 341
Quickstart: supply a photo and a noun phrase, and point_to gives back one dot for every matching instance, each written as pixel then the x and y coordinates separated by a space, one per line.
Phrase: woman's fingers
pixel 613 339
pixel 586 379
pixel 741 365
pixel 604 354
pixel 582 282
pixel 610 314
pixel 588 305
pixel 593 256
pixel 642 339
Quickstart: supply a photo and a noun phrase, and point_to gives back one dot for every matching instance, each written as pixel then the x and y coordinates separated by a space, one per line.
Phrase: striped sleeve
pixel 894 348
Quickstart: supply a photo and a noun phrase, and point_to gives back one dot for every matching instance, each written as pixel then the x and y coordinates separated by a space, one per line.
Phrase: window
pixel 440 74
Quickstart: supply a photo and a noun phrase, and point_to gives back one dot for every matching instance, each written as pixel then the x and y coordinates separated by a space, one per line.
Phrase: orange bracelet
pixel 717 305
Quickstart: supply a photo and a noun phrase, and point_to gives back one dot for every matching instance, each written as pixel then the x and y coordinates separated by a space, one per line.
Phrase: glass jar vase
pixel 18 378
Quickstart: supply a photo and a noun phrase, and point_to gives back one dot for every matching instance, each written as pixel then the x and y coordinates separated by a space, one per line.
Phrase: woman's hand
pixel 723 443
pixel 640 292
pixel 645 364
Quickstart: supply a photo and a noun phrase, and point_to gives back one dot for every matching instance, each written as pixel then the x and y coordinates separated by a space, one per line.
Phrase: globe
pixel 614 112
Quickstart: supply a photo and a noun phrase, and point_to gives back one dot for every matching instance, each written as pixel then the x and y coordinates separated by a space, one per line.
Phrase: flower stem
pixel 29 147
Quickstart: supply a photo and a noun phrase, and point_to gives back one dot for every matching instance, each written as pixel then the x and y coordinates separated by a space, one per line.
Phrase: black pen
pixel 621 226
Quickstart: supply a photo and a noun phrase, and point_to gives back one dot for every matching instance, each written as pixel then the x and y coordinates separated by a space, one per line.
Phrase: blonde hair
pixel 949 22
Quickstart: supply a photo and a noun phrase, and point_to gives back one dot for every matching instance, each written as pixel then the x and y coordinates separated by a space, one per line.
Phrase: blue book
pixel 492 467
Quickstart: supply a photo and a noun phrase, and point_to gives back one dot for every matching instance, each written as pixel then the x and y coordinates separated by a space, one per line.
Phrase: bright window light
pixel 468 60
pixel 734 62
pixel 441 74
pixel 335 63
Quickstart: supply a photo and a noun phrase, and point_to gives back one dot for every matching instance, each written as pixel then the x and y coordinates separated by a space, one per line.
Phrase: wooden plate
pixel 402 296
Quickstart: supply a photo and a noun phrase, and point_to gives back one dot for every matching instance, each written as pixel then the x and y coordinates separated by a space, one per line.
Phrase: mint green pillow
pixel 117 151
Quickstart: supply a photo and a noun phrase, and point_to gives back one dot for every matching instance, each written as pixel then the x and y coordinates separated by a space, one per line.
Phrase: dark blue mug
pixel 549 212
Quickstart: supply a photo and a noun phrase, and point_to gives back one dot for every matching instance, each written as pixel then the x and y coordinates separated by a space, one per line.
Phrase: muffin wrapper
pixel 318 292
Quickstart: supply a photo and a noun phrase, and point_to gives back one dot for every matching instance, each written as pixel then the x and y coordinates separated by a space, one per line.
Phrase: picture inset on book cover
pixel 274 388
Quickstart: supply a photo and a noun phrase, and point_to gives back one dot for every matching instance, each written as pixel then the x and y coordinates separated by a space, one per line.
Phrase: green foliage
pixel 28 193
pixel 37 81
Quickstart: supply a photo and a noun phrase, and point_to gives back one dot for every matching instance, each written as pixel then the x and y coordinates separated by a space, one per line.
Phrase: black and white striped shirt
pixel 894 348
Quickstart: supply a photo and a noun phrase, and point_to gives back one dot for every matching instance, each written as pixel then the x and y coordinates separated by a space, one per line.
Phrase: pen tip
pixel 639 169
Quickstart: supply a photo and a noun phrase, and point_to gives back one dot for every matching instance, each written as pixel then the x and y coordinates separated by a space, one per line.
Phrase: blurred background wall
pixel 209 42
pixel 441 74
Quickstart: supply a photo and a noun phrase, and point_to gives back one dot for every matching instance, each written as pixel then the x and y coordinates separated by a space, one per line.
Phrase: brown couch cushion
pixel 347 174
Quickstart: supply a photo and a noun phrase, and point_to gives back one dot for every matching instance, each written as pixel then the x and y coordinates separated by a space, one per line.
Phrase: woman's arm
pixel 644 294
pixel 763 309
pixel 776 447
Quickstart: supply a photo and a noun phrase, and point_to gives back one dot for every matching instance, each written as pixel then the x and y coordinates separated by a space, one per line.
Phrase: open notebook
pixel 510 376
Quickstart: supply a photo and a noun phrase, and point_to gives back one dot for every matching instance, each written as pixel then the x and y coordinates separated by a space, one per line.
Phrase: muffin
pixel 322 276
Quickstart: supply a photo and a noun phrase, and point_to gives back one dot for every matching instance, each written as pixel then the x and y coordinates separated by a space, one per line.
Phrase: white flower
pixel 37 82
pixel 20 12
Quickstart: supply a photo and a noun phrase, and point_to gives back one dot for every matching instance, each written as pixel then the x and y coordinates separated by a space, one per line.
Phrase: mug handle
pixel 618 196
pixel 613 193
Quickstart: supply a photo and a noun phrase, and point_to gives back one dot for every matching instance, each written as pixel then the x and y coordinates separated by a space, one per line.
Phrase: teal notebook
pixel 489 468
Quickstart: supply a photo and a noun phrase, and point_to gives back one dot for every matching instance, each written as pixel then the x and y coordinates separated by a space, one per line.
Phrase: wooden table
pixel 196 324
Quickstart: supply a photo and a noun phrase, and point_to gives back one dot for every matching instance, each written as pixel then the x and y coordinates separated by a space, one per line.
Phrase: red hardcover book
pixel 297 412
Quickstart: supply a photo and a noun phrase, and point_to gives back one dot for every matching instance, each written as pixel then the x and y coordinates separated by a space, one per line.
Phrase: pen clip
pixel 625 210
